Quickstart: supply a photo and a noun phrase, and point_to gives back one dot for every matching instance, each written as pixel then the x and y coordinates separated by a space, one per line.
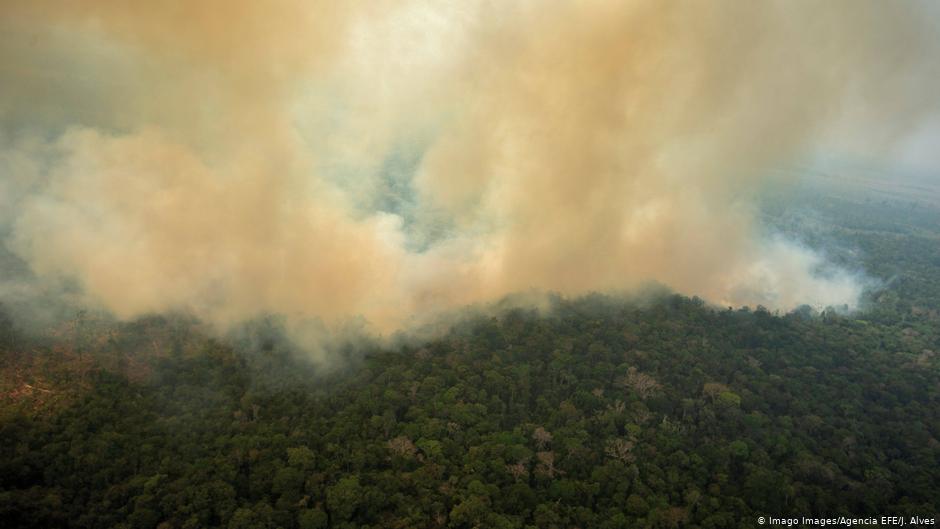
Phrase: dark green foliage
pixel 602 414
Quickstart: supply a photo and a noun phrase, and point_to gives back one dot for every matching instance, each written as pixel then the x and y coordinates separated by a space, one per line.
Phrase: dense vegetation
pixel 600 412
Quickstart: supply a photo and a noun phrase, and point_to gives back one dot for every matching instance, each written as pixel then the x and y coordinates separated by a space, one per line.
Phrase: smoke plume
pixel 389 160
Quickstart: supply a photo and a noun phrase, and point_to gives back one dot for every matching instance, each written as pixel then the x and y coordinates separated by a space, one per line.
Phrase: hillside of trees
pixel 597 412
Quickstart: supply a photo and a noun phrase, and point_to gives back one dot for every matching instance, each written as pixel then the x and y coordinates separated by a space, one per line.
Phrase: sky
pixel 386 161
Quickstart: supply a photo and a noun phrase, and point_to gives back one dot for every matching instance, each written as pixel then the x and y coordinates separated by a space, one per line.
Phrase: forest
pixel 601 411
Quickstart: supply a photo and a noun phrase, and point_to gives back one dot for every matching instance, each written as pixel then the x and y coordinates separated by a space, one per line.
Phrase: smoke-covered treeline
pixel 385 161
pixel 594 412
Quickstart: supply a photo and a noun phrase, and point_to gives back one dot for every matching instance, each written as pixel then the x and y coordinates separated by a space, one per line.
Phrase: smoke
pixel 331 161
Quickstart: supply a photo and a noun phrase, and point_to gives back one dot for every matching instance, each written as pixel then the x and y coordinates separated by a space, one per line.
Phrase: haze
pixel 389 161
